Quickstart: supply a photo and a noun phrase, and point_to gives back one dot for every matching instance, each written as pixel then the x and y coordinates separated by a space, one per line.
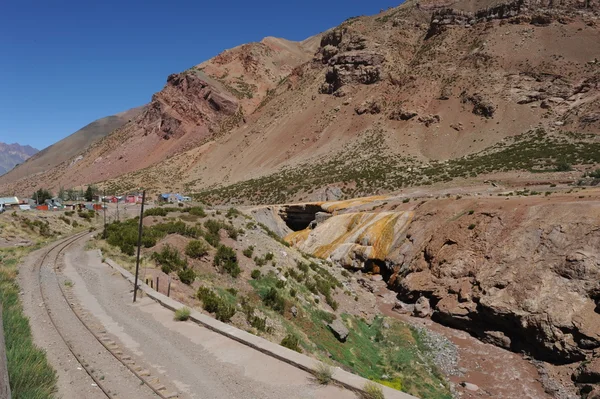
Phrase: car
pixel 2 208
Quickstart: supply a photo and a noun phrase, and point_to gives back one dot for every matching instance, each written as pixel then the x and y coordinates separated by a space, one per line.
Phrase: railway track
pixel 51 258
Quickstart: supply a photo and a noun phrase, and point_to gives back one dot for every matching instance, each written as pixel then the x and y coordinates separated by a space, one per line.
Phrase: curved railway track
pixel 143 375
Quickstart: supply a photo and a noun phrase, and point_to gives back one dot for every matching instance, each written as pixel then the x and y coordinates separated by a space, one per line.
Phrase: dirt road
pixel 181 357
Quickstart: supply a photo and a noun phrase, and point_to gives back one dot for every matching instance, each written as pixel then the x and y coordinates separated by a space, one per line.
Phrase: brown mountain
pixel 376 104
pixel 13 154
pixel 68 149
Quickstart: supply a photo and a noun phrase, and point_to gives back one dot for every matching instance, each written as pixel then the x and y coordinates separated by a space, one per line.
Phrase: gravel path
pixel 197 362
pixel 73 382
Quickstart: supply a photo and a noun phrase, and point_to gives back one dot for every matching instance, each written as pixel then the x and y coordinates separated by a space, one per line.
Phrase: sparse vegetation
pixel 226 260
pixel 248 251
pixel 182 314
pixel 255 274
pixel 372 391
pixel 292 342
pixel 187 275
pixel 535 151
pixel 196 249
pixel 324 373
pixel 30 373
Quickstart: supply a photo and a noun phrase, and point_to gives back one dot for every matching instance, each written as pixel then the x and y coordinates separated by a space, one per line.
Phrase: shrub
pixel 372 391
pixel 213 303
pixel 274 300
pixel 303 267
pixel 196 249
pixel 255 274
pixel 197 211
pixel 232 212
pixel 269 256
pixel 169 260
pixel 226 260
pixel 292 292
pixel 187 275
pixel 182 314
pixel 324 373
pixel 291 341
pixel 249 251
pixel 472 226
pixel 225 312
pixel 232 291
pixel 406 200
pixel 260 262
pixel 210 300
pixel 471 212
pixel 563 167
pixel 155 212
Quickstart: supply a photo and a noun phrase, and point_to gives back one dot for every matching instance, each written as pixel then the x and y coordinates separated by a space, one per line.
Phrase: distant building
pixel 9 201
pixel 173 198
pixel 54 203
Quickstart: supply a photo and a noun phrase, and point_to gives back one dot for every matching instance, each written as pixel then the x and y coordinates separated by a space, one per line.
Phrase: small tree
pixel 89 194
pixel 62 193
pixel 41 195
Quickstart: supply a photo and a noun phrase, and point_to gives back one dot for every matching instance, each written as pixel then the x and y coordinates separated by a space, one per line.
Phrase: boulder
pixel 370 106
pixel 429 120
pixel 402 115
pixel 339 330
pixel 333 193
pixel 481 106
pixel 588 372
pixel 469 386
pixel 422 308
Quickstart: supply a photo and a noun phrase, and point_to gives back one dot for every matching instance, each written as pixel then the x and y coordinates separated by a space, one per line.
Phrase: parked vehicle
pixel 2 208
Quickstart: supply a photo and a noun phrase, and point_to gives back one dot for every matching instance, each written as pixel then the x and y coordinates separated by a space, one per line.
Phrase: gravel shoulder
pixel 197 362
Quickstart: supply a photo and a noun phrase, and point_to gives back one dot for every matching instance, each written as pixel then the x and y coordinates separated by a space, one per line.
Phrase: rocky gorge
pixel 521 273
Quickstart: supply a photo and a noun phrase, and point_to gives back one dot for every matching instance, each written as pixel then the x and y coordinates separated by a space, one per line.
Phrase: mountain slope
pixel 389 96
pixel 71 146
pixel 194 107
pixel 384 102
pixel 13 154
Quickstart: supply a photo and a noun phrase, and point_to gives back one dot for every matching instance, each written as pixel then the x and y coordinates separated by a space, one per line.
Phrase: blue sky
pixel 65 63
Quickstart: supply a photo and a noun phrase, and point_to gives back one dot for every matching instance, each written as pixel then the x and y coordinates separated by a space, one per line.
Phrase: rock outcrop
pixel 362 67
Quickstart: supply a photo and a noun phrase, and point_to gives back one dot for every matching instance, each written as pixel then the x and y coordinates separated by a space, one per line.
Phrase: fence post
pixel 157 290
pixel 169 288
pixel 4 383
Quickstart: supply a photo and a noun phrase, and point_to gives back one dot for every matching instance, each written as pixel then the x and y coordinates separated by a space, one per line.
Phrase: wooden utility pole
pixel 104 208
pixel 139 244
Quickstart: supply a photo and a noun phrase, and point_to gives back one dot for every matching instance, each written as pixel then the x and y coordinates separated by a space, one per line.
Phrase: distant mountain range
pixel 13 154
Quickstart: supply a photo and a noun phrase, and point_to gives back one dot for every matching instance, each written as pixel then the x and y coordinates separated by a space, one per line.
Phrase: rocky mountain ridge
pixel 13 154
pixel 420 84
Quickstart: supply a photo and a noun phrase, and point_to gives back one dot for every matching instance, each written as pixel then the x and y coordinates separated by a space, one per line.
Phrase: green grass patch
pixel 30 374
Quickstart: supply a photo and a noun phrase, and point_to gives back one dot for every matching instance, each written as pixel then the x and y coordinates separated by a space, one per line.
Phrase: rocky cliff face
pixel 13 154
pixel 521 273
